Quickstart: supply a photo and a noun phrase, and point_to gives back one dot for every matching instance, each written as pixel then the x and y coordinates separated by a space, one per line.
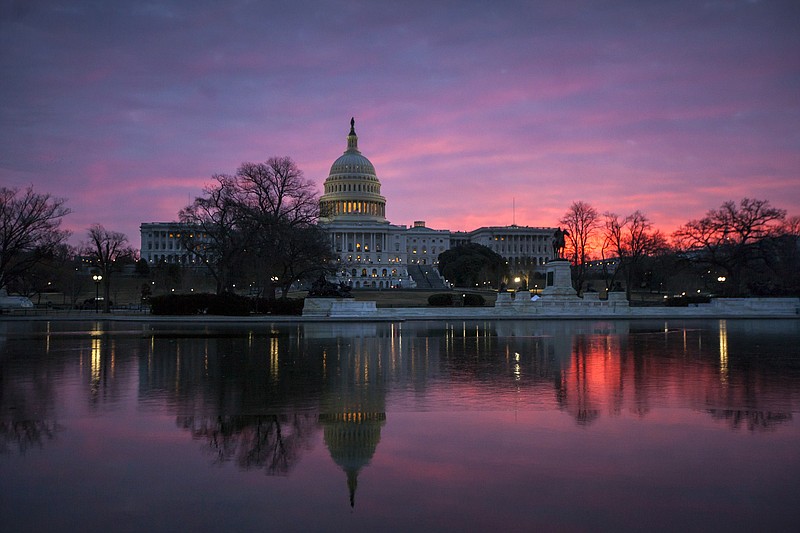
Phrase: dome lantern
pixel 352 188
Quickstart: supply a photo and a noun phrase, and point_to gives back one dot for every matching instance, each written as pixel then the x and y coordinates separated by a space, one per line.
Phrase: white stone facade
pixel 161 243
pixel 371 252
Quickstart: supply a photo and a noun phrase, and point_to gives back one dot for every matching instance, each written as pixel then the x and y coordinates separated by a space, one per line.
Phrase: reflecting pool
pixel 448 426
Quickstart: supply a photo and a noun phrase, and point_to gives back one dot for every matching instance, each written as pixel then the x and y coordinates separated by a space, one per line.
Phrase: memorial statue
pixel 559 243
pixel 322 288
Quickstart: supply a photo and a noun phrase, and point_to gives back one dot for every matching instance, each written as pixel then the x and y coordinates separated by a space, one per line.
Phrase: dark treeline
pixel 738 249
pixel 259 228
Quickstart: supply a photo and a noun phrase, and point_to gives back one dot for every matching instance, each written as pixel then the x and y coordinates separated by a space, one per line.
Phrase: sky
pixel 474 113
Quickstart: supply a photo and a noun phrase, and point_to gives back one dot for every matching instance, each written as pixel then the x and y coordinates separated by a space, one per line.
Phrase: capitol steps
pixel 426 277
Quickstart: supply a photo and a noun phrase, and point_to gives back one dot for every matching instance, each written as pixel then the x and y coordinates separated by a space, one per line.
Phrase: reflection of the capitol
pixel 342 372
pixel 260 396
pixel 354 400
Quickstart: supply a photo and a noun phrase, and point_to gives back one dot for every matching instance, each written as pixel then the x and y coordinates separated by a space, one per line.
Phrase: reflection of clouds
pixel 594 377
pixel 674 365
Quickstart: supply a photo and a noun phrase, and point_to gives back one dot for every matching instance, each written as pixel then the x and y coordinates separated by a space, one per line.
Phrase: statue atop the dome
pixel 352 126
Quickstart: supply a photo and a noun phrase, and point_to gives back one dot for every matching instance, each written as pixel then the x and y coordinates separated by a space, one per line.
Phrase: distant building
pixel 600 266
pixel 526 250
pixel 370 251
pixel 161 243
pixel 375 253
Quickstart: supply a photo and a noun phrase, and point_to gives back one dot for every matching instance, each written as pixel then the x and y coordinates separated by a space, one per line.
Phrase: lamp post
pixel 721 280
pixel 97 279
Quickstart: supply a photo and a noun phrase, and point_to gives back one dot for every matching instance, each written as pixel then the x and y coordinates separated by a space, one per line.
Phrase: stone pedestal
pixel 503 299
pixel 338 308
pixel 559 281
pixel 618 299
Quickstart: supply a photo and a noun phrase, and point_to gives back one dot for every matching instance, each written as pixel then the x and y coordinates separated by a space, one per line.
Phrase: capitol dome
pixel 352 188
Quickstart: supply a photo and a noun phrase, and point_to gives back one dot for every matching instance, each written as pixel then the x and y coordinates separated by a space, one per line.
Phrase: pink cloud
pixel 670 109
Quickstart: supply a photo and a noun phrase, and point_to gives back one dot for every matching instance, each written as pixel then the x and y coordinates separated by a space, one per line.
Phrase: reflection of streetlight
pixel 97 279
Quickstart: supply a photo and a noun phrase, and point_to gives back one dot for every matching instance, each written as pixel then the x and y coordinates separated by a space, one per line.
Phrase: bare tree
pixel 29 230
pixel 217 239
pixel 57 270
pixel 259 223
pixel 281 209
pixel 305 253
pixel 631 240
pixel 105 249
pixel 791 226
pixel 727 238
pixel 277 191
pixel 582 223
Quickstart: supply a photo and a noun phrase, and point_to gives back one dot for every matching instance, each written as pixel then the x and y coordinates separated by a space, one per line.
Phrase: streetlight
pixel 97 279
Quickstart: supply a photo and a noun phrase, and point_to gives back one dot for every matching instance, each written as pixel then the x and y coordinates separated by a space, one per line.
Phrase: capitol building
pixel 370 251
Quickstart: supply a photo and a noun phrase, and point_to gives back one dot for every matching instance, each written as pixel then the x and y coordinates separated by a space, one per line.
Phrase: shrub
pixel 229 304
pixel 474 300
pixel 198 304
pixel 684 301
pixel 440 300
pixel 282 306
pixel 226 304
pixel 180 304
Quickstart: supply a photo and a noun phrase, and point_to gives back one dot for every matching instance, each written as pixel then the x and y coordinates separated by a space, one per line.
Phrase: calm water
pixel 461 426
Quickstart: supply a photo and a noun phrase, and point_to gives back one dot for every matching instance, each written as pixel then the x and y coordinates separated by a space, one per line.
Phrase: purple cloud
pixel 463 107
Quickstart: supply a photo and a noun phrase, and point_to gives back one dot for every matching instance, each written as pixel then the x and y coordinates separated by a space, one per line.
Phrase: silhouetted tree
pixel 630 239
pixel 472 264
pixel 727 238
pixel 55 271
pixel 260 223
pixel 29 230
pixel 216 237
pixel 142 268
pixel 106 250
pixel 780 255
pixel 582 222
pixel 305 252
pixel 280 209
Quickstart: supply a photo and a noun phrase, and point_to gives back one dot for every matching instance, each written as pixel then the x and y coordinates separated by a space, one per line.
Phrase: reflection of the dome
pixel 354 404
pixel 351 439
